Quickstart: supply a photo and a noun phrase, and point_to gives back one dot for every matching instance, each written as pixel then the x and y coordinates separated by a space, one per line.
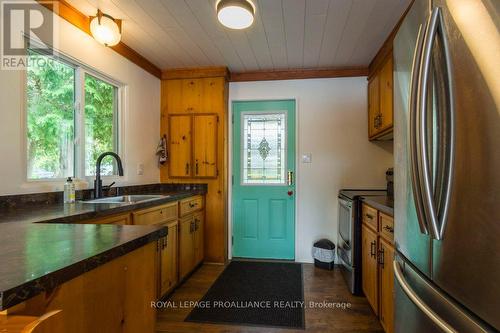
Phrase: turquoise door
pixel 263 179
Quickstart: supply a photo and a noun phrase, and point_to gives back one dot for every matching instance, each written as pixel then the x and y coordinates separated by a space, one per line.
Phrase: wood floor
pixel 319 286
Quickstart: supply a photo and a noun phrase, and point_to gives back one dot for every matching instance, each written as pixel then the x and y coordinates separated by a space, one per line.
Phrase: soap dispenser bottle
pixel 69 191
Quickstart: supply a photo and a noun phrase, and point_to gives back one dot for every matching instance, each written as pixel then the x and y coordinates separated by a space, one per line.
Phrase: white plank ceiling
pixel 286 33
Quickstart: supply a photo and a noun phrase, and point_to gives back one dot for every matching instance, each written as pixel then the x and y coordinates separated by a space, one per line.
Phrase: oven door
pixel 346 223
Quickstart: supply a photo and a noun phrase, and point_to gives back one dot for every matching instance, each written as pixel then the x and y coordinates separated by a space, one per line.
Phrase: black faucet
pixel 98 181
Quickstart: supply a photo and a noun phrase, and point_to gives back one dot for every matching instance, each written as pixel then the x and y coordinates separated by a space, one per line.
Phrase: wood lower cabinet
pixel 168 259
pixel 199 244
pixel 377 270
pixel 114 297
pixel 369 266
pixel 191 242
pixel 165 215
pixel 186 246
pixel 386 284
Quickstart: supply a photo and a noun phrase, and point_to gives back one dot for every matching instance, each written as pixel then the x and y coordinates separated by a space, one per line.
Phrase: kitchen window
pixel 72 116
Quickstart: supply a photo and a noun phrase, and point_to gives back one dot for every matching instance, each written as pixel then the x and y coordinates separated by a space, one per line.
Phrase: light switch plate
pixel 140 169
pixel 307 158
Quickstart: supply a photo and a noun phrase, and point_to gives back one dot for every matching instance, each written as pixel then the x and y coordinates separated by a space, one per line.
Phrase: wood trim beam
pixel 82 22
pixel 386 48
pixel 194 73
pixel 294 74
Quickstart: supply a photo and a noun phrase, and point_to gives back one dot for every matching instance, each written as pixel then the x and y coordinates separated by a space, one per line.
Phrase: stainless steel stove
pixel 349 235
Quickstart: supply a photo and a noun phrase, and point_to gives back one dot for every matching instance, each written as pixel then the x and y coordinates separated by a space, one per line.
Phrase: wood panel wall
pixel 177 97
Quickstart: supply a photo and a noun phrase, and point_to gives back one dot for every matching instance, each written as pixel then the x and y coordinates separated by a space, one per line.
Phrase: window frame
pixel 81 69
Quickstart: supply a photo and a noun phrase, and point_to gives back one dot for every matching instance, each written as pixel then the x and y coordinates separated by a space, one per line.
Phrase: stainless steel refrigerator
pixel 447 167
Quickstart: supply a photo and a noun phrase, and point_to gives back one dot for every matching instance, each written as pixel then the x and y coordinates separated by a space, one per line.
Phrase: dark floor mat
pixel 254 293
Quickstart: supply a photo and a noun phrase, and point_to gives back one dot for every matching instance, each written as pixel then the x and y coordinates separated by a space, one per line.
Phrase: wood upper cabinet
pixel 168 259
pixel 380 101
pixel 386 103
pixel 386 284
pixel 369 266
pixel 205 145
pixel 193 146
pixel 373 105
pixel 180 145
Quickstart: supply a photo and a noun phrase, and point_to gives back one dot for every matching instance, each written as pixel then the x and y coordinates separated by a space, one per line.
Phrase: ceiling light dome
pixel 105 29
pixel 235 14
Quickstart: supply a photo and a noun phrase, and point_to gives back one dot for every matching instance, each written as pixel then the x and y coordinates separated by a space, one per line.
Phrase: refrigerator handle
pixel 414 148
pixel 423 162
pixel 412 295
pixel 447 129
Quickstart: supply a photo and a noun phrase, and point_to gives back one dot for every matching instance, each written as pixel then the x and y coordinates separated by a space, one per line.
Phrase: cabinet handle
pixel 389 228
pixel 192 205
pixel 369 216
pixel 381 257
pixel 187 168
pixel 196 167
pixel 372 249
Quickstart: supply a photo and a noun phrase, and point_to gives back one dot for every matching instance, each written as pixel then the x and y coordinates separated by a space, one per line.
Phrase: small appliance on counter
pixel 349 235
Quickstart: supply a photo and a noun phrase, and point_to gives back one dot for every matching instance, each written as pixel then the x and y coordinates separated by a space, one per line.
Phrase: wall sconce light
pixel 105 29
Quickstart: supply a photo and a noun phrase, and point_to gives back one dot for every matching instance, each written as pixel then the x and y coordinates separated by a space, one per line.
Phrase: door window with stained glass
pixel 263 148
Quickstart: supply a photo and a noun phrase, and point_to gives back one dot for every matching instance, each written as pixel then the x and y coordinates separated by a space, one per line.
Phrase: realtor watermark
pixel 250 305
pixel 27 24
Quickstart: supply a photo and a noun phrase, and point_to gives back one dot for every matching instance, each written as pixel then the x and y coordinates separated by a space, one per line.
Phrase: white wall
pixel 332 125
pixel 141 123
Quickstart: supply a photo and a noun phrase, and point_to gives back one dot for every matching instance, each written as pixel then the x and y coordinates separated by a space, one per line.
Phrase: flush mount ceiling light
pixel 235 14
pixel 105 29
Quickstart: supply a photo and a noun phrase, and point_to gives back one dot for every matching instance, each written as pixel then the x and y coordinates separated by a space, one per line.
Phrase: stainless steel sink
pixel 126 199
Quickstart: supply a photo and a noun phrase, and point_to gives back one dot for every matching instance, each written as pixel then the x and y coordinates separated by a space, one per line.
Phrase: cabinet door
pixel 386 286
pixel 205 145
pixel 168 266
pixel 373 105
pixel 191 95
pixel 199 237
pixel 180 146
pixel 186 246
pixel 369 266
pixel 386 118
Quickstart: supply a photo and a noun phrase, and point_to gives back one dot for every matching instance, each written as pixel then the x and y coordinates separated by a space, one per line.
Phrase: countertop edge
pixel 29 289
pixel 379 206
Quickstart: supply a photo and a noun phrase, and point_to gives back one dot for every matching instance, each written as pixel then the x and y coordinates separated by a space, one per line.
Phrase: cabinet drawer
pixel 121 219
pixel 386 226
pixel 190 205
pixel 156 215
pixel 369 216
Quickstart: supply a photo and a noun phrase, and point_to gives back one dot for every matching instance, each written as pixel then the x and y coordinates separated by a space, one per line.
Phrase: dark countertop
pixel 381 202
pixel 77 212
pixel 39 257
pixel 43 246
